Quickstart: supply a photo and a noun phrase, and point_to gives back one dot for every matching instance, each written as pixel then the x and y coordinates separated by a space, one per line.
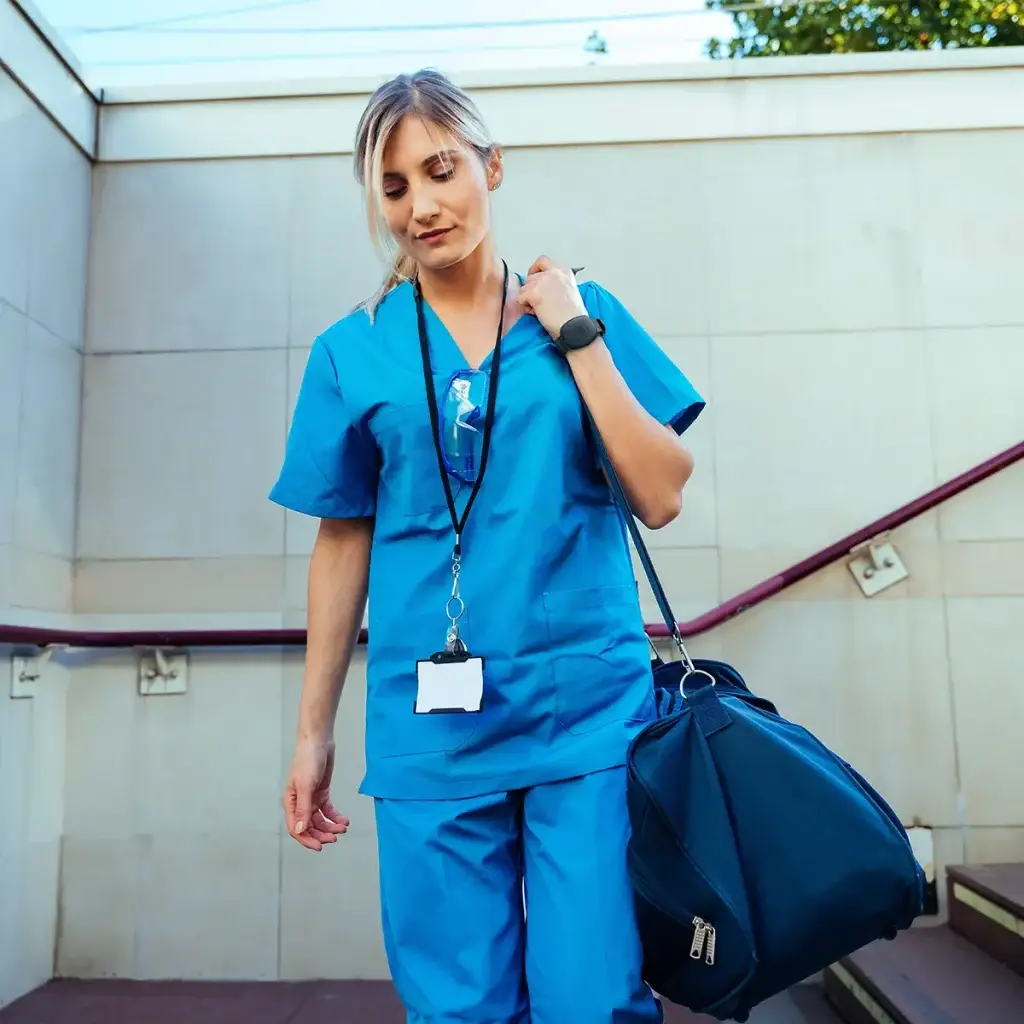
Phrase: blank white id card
pixel 449 684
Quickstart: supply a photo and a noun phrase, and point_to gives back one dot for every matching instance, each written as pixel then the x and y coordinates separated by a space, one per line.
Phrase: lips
pixel 432 236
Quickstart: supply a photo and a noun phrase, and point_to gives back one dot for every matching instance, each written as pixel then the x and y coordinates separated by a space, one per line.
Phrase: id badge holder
pixel 449 682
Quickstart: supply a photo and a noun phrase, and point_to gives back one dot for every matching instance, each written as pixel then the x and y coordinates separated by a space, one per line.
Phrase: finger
pixel 288 802
pixel 308 842
pixel 303 809
pixel 332 813
pixel 324 824
pixel 315 832
pixel 540 264
pixel 305 836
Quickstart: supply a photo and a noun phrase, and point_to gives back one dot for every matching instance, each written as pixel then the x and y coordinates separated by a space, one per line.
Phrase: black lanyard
pixel 455 606
pixel 459 523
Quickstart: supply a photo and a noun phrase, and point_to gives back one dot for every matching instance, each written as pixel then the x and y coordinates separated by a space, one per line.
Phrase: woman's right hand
pixel 313 821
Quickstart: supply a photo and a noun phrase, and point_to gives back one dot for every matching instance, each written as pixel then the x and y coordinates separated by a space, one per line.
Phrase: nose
pixel 424 205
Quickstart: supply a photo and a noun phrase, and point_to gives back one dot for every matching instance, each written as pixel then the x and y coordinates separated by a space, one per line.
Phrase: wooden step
pixel 986 906
pixel 924 976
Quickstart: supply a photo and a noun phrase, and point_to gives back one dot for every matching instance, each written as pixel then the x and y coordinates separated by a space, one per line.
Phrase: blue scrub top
pixel 552 604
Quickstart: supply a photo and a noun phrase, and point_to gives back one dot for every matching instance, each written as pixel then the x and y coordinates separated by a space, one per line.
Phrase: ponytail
pixel 403 268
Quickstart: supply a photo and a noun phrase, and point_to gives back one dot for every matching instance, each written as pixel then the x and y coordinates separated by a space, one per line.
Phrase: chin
pixel 437 258
pixel 450 253
pixel 443 257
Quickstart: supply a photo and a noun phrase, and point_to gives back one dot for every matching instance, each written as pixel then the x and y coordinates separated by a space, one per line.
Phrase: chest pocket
pixel 409 473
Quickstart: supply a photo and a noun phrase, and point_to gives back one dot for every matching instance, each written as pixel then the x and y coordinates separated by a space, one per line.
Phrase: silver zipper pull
pixel 697 946
pixel 709 957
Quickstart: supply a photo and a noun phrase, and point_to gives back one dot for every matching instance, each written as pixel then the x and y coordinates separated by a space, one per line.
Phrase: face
pixel 436 193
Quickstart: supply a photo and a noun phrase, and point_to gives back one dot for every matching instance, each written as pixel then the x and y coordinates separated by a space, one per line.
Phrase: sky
pixel 129 42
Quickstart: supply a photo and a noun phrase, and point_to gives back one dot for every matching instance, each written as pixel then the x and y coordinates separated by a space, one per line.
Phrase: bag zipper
pixel 703 944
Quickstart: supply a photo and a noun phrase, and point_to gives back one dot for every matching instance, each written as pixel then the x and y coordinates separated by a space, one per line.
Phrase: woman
pixel 508 666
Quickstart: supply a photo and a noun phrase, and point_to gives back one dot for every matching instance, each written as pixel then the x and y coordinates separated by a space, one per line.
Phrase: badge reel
pixel 450 681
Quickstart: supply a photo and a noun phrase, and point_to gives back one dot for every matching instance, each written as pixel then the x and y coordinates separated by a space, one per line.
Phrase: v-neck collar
pixel 437 329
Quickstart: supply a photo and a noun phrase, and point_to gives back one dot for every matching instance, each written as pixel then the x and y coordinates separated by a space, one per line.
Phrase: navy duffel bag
pixel 757 856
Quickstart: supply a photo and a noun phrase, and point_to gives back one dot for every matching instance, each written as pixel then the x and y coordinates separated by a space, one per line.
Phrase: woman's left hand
pixel 551 294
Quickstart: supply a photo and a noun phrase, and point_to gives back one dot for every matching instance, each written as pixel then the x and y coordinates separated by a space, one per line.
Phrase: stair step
pixel 924 976
pixel 986 906
pixel 1001 883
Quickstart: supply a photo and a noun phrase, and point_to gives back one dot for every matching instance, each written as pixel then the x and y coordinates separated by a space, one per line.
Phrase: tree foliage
pixel 843 26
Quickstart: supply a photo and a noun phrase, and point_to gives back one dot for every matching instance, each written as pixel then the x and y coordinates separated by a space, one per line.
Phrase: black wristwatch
pixel 578 333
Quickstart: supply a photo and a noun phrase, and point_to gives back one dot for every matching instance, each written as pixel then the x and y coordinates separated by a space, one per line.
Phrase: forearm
pixel 338 573
pixel 649 458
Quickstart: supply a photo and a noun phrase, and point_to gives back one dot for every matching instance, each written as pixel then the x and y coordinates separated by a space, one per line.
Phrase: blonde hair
pixel 433 97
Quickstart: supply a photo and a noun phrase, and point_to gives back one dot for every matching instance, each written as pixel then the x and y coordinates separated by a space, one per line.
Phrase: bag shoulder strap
pixel 628 518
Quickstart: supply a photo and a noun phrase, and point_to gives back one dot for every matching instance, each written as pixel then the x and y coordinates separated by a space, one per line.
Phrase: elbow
pixel 658 514
pixel 663 508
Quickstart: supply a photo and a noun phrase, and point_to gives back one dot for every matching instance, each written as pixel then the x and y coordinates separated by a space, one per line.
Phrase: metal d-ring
pixel 459 604
pixel 694 672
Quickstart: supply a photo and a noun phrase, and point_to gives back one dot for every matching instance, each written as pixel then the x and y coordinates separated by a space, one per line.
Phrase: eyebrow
pixel 450 154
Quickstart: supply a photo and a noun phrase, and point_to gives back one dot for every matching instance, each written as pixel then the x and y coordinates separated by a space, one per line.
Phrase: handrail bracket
pixel 27 669
pixel 876 565
pixel 162 671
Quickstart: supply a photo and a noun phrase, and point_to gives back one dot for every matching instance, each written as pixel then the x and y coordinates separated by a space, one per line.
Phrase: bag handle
pixel 646 561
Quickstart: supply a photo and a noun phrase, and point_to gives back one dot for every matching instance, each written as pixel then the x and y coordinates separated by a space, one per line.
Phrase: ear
pixel 495 169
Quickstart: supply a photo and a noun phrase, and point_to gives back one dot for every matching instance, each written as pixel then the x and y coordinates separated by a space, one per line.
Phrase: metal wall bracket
pixel 27 670
pixel 162 672
pixel 876 566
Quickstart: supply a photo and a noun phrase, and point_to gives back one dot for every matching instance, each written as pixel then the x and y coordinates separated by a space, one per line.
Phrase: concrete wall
pixel 44 224
pixel 851 318
pixel 854 331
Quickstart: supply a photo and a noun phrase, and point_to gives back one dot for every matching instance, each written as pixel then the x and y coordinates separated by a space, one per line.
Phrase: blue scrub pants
pixel 458 942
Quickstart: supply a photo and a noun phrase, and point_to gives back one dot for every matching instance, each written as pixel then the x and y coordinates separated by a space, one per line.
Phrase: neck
pixel 467 282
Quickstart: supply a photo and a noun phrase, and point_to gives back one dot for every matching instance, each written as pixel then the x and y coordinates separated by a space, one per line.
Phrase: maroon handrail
pixel 40 637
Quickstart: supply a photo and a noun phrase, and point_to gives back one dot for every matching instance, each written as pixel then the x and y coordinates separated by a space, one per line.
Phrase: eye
pixel 394 193
pixel 445 174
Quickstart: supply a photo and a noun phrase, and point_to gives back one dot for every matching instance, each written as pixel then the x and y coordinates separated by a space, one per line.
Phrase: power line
pixel 158 25
pixel 175 19
pixel 589 19
pixel 361 54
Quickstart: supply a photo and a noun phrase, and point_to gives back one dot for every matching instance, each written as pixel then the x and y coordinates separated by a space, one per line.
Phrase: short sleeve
pixel 657 383
pixel 331 463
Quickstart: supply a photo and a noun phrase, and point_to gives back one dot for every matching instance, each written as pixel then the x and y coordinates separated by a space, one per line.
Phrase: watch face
pixel 581 332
